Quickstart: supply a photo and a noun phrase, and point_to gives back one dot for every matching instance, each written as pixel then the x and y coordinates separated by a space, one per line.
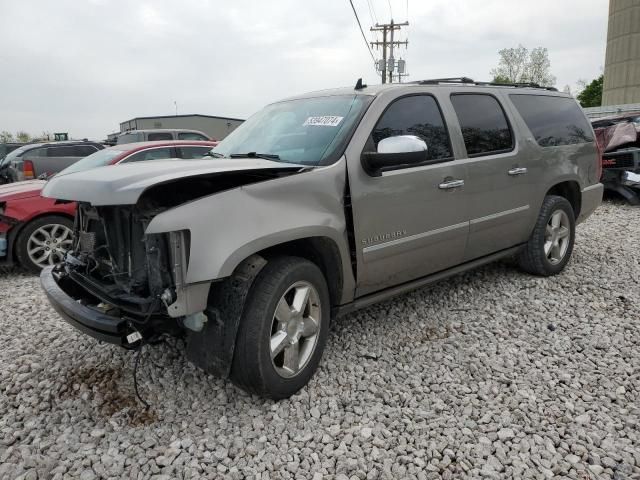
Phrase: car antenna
pixel 360 85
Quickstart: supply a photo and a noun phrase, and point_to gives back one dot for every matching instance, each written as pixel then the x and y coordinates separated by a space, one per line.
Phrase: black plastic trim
pixel 95 324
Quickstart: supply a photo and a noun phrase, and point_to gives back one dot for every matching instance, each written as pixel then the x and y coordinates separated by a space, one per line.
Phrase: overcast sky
pixel 84 66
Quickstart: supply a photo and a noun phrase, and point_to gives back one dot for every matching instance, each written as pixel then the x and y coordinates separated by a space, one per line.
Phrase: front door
pixel 408 222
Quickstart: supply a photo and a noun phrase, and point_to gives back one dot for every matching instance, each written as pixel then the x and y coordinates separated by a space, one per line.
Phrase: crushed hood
pixel 123 184
pixel 18 190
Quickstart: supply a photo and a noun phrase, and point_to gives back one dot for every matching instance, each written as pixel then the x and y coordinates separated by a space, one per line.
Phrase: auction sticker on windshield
pixel 324 121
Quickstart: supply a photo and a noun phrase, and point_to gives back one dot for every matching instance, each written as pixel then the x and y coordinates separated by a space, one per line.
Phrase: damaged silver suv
pixel 319 205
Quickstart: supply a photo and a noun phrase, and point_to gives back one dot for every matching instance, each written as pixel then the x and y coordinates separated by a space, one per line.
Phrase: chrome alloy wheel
pixel 557 237
pixel 295 328
pixel 48 244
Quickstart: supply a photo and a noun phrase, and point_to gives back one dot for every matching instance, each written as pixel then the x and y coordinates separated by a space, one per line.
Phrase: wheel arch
pixel 321 251
pixel 569 189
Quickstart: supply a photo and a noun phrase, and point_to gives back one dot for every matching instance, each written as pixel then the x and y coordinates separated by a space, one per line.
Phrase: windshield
pixel 97 159
pixel 306 131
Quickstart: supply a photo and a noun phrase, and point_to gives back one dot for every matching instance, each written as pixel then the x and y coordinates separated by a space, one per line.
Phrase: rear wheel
pixel 44 242
pixel 283 329
pixel 550 246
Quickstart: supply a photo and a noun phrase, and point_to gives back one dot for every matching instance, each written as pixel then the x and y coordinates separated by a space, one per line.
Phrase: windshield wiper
pixel 266 156
pixel 214 154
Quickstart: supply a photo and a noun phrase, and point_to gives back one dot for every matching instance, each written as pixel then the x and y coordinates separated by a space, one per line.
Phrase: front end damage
pixel 116 271
pixel 122 286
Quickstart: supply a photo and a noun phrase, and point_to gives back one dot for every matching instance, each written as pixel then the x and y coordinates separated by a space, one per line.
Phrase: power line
pixel 390 11
pixel 372 12
pixel 362 31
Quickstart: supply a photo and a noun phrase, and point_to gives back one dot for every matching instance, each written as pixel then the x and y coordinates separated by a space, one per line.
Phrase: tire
pixel 540 258
pixel 35 232
pixel 282 280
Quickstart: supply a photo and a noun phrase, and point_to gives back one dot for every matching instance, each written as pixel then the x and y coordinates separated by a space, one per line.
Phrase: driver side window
pixel 417 115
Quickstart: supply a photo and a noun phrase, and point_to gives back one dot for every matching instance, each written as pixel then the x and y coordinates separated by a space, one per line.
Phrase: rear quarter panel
pixel 549 166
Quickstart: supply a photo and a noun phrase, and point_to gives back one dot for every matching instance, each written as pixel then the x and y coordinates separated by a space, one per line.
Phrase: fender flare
pixel 212 348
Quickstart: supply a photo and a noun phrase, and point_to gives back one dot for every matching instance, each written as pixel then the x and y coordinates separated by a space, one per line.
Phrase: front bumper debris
pixel 90 321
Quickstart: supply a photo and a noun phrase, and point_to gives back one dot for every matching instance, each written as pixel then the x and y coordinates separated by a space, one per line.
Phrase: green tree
pixel 23 136
pixel 591 94
pixel 502 79
pixel 6 137
pixel 519 65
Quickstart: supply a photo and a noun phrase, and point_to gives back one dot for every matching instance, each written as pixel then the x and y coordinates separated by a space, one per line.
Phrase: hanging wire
pixel 372 12
pixel 362 31
pixel 135 376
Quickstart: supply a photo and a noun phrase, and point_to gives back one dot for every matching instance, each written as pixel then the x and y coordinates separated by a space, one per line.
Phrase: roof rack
pixel 469 81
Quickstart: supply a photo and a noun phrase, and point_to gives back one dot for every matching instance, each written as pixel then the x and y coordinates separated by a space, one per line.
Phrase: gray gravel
pixel 490 374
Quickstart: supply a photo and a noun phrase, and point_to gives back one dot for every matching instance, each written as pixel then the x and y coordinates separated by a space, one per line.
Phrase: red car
pixel 37 231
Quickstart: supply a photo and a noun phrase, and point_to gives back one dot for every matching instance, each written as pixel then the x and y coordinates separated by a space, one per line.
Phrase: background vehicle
pixel 35 159
pixel 161 134
pixel 6 148
pixel 619 139
pixel 319 205
pixel 37 231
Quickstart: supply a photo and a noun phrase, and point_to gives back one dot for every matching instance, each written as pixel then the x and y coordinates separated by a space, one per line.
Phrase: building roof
pixel 183 116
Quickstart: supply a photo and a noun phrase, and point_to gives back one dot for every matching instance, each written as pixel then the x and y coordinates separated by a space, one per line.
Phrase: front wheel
pixel 551 243
pixel 44 242
pixel 283 329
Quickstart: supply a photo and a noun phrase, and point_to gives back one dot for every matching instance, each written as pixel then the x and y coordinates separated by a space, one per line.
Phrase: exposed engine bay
pixel 112 250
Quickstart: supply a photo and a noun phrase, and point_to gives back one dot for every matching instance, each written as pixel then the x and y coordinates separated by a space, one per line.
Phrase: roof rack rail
pixel 444 80
pixel 469 81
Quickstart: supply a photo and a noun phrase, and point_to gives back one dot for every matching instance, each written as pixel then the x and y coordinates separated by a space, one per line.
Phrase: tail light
pixel 28 171
pixel 600 160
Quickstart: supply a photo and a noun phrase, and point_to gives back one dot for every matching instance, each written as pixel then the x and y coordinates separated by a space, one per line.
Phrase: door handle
pixel 451 184
pixel 517 171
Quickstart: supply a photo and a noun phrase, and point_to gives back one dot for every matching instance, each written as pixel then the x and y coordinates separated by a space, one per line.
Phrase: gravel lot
pixel 493 374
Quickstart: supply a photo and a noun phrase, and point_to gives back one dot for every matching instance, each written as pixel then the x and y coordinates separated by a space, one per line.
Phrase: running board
pixel 368 300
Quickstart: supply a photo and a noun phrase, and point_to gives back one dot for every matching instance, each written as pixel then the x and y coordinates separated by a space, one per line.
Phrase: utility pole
pixel 388 63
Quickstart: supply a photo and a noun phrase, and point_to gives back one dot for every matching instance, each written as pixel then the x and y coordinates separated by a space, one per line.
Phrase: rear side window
pixel 417 115
pixel 66 151
pixel 36 152
pixel 155 154
pixel 84 150
pixel 553 121
pixel 485 128
pixel 191 136
pixel 193 152
pixel 159 136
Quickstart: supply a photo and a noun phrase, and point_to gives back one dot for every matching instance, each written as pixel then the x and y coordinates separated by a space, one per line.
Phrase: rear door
pixel 408 223
pixel 499 187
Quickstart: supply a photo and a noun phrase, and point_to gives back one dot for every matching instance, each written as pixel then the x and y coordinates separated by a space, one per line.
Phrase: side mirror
pixel 401 151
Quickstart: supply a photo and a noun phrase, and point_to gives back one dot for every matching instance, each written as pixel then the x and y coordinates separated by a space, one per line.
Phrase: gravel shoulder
pixel 492 374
